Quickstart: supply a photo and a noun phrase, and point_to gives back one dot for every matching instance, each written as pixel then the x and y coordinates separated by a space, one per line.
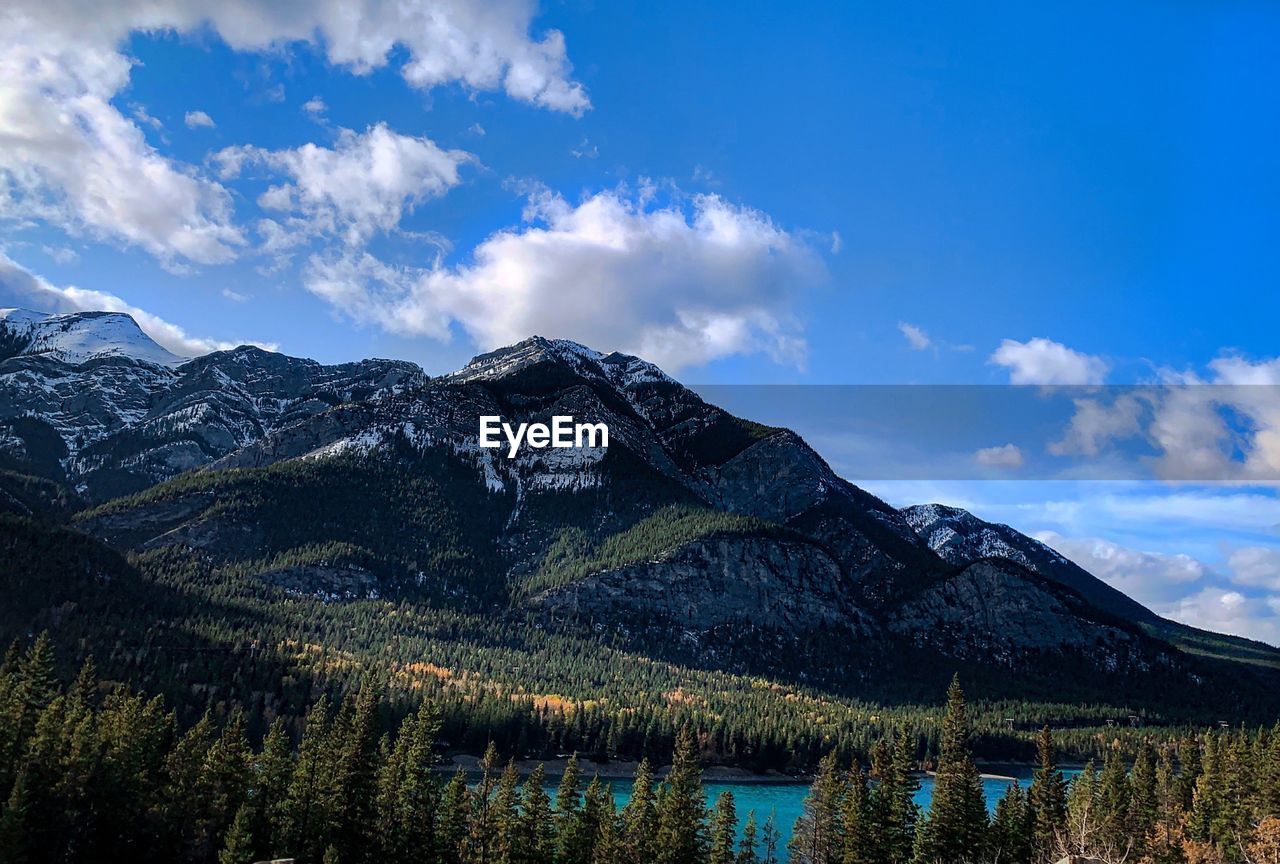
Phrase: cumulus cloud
pixel 1095 423
pixel 1007 456
pixel 1223 427
pixel 198 119
pixel 69 157
pixel 1256 565
pixel 916 337
pixel 1042 361
pixel 1151 578
pixel 1227 611
pixel 362 185
pixel 680 283
pixel 20 287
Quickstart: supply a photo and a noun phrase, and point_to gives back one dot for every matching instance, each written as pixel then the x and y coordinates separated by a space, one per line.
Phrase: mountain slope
pixel 962 538
pixel 78 337
pixel 695 535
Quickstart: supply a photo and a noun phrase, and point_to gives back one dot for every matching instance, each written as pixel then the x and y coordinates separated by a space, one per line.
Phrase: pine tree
pixel 225 774
pixel 608 845
pixel 724 829
pixel 480 836
pixel 859 830
pixel 536 840
pixel 682 810
pixel 15 827
pixel 957 822
pixel 1114 802
pixel 747 849
pixel 640 819
pixel 306 809
pixel 1208 800
pixel 892 810
pixel 238 847
pixel 272 772
pixel 818 836
pixel 1010 834
pixel 455 810
pixel 1048 800
pixel 1143 795
pixel 506 812
pixel 354 784
pixel 769 838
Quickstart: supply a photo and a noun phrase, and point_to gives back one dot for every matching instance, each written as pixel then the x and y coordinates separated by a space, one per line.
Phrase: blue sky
pixel 784 193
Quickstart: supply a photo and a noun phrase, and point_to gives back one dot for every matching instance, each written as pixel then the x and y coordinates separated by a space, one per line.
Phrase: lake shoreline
pixel 621 769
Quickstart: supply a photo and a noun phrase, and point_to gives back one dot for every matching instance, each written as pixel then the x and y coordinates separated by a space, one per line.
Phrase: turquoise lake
pixel 785 800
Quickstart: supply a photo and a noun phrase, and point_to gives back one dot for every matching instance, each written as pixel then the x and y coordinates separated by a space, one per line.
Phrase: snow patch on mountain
pixel 79 337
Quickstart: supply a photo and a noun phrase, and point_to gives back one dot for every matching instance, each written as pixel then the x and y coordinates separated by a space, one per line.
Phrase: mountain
pixel 695 536
pixel 79 337
pixel 961 538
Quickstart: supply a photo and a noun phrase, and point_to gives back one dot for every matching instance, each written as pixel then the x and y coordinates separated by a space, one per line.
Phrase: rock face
pixel 771 585
pixel 112 417
pixel 962 538
pixel 997 609
pixel 277 436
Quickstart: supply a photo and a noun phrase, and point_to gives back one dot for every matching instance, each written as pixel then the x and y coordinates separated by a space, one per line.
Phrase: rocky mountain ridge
pixel 693 527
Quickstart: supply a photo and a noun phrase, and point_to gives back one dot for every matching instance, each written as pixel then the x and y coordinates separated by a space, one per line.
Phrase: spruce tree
pixel 536 840
pixel 859 835
pixel 306 808
pixel 272 771
pixel 748 853
pixel 956 826
pixel 1114 802
pixel 682 811
pixel 506 813
pixel 455 811
pixel 1009 838
pixel 238 847
pixel 1048 799
pixel 1143 795
pixel 724 829
pixel 818 836
pixel 769 839
pixel 640 819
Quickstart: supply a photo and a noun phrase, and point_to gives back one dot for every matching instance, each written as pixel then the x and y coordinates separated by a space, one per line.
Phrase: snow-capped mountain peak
pixel 78 337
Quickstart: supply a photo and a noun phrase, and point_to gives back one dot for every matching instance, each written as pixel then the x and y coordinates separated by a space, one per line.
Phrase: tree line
pixel 102 774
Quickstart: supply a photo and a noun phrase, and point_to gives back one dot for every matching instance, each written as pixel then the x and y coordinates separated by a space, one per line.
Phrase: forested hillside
pixel 97 773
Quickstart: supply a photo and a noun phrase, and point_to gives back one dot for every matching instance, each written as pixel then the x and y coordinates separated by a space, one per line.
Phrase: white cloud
pixel 61 254
pixel 1256 565
pixel 362 185
pixel 1224 428
pixel 585 150
pixel 1095 423
pixel 916 337
pixel 1042 361
pixel 680 284
pixel 1151 578
pixel 197 119
pixel 69 157
pixel 1224 610
pixel 20 287
pixel 315 105
pixel 1005 456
